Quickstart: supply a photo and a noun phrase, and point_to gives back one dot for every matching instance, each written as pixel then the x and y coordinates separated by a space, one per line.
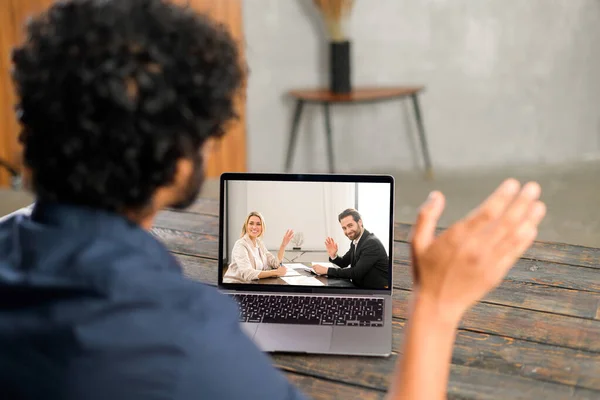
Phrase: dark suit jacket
pixel 368 267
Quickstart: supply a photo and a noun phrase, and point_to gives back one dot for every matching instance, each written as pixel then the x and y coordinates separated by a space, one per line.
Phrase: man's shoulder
pixel 371 241
pixel 371 237
pixel 165 337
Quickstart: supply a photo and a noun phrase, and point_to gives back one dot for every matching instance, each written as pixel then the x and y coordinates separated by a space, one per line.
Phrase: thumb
pixel 424 230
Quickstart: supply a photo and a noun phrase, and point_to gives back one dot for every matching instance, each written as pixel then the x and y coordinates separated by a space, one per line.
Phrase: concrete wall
pixel 509 82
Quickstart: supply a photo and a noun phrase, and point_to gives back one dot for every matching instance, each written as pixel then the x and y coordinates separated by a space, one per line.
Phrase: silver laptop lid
pixel 310 205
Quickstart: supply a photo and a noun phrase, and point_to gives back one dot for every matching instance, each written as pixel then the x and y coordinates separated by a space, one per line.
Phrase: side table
pixel 359 95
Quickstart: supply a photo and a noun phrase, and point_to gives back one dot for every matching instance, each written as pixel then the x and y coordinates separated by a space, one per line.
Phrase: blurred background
pixel 505 89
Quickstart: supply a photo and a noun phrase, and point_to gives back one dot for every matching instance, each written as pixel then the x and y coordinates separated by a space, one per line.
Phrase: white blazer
pixel 243 268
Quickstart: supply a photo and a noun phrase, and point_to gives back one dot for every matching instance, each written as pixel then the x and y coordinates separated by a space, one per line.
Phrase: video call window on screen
pixel 259 214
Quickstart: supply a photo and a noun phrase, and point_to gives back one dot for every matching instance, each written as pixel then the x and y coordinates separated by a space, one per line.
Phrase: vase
pixel 339 67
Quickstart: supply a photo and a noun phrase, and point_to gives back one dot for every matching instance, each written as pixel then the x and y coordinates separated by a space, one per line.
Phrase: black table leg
pixel 328 132
pixel 293 134
pixel 428 167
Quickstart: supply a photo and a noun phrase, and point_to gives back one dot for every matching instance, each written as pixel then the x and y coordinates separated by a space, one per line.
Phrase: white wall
pixel 509 82
pixel 373 206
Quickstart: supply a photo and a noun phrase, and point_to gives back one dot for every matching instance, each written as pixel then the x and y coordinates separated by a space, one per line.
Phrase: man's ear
pixel 183 171
pixel 166 195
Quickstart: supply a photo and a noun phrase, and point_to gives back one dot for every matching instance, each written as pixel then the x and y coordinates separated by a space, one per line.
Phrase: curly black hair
pixel 113 93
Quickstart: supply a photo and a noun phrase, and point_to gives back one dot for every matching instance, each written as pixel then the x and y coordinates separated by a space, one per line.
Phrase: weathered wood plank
pixel 188 242
pixel 522 358
pixel 204 224
pixel 540 327
pixel 532 271
pixel 474 383
pixel 518 290
pixel 326 390
pixel 543 251
pixel 490 352
pixel 199 269
pixel 545 298
pixel 564 254
pixel 465 382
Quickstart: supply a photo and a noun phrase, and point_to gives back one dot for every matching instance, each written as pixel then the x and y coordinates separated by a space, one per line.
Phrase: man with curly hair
pixel 118 102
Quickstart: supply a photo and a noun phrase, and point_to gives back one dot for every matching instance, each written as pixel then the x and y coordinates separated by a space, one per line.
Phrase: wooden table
pixel 536 337
pixel 357 96
pixel 325 280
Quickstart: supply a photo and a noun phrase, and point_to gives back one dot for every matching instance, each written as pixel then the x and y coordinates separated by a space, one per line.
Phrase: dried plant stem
pixel 335 13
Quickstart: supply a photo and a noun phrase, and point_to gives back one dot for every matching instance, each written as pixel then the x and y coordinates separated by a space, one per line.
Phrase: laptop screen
pixel 306 232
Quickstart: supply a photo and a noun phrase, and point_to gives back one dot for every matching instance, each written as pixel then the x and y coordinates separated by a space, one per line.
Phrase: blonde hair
pixel 262 222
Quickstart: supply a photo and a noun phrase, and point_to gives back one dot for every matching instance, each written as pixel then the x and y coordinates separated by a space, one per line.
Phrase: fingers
pixel 516 214
pixel 493 207
pixel 329 242
pixel 518 240
pixel 424 229
pixel 289 234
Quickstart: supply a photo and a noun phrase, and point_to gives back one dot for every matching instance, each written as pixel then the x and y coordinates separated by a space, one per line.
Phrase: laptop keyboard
pixel 310 310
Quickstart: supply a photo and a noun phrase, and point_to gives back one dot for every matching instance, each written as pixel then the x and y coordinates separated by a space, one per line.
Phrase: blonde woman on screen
pixel 250 259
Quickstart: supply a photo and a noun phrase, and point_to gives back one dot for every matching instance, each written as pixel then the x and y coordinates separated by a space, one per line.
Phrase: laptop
pixel 320 305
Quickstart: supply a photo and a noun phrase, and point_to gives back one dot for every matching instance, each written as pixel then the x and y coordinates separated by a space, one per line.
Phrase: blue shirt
pixel 93 307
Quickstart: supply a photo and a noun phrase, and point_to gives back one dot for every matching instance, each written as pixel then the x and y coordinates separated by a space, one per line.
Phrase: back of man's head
pixel 113 93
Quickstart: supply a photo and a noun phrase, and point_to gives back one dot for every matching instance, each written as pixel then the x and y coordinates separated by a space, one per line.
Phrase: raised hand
pixel 331 246
pixel 471 257
pixel 287 237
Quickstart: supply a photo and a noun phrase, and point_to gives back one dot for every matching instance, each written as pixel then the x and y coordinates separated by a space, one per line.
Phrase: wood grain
pixel 523 292
pixel 187 242
pixel 533 337
pixel 491 375
pixel 356 96
pixel 475 383
pixel 530 271
pixel 541 251
pixel 320 389
pixel 13 14
pixel 230 151
pixel 540 327
pixel 187 223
